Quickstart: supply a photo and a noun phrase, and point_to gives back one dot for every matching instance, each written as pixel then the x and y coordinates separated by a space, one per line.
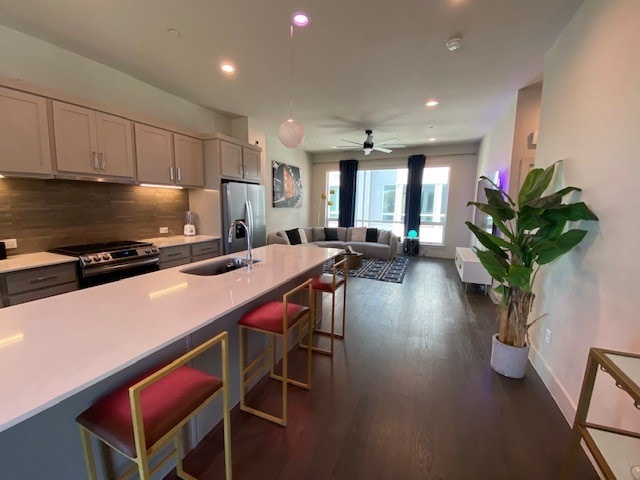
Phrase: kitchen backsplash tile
pixel 43 214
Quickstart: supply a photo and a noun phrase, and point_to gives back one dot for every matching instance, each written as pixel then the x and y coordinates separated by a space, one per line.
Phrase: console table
pixel 470 269
pixel 615 451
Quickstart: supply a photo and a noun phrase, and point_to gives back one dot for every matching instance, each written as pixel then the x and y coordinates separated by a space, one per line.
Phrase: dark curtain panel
pixel 348 175
pixel 414 193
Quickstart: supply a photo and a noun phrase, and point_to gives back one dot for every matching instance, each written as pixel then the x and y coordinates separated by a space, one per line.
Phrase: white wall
pixel 590 118
pixel 286 218
pixel 496 147
pixel 45 65
pixel 461 158
pixel 527 120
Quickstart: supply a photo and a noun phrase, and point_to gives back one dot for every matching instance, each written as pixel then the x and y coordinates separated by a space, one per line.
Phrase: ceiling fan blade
pixel 388 140
pixel 350 141
pixel 346 147
pixel 382 149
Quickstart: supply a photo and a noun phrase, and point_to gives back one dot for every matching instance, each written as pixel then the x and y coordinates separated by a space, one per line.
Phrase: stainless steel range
pixel 100 263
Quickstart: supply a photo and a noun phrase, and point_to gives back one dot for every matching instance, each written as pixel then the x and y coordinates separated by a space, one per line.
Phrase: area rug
pixel 392 271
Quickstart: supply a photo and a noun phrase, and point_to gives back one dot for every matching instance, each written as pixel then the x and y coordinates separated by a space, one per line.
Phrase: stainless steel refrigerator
pixel 245 202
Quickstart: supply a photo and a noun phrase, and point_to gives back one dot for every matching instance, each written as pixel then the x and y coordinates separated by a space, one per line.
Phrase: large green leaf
pixel 492 242
pixel 535 183
pixel 519 276
pixel 573 211
pixel 567 190
pixel 562 245
pixel 495 265
pixel 495 198
pixel 506 195
pixel 494 212
pixel 549 201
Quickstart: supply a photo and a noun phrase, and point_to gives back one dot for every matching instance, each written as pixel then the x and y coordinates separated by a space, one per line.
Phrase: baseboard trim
pixel 562 398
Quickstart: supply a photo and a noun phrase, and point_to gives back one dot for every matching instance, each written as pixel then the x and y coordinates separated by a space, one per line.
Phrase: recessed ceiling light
pixel 432 102
pixel 454 43
pixel 227 68
pixel 300 19
pixel 174 32
pixel 432 139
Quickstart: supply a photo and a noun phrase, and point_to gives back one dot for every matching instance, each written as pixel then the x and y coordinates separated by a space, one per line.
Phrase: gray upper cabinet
pixel 189 161
pixel 154 155
pixel 25 146
pixel 168 158
pixel 93 143
pixel 226 159
pixel 251 162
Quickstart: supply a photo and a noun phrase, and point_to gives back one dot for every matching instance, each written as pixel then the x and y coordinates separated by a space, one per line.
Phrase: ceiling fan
pixel 368 146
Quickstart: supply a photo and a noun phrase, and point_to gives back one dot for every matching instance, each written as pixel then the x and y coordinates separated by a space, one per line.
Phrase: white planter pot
pixel 507 360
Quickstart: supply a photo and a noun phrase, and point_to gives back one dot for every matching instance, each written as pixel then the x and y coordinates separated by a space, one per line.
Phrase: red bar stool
pixel 138 420
pixel 276 319
pixel 326 283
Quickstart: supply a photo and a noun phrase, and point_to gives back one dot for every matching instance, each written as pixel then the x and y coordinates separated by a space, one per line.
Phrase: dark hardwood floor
pixel 408 395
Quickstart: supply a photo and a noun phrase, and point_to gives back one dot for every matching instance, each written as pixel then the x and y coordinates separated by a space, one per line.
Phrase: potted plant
pixel 531 234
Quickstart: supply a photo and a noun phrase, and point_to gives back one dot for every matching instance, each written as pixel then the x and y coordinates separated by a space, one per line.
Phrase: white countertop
pixel 179 240
pixel 41 342
pixel 33 260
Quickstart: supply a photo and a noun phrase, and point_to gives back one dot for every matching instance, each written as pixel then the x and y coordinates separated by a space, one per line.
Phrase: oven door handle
pixel 93 271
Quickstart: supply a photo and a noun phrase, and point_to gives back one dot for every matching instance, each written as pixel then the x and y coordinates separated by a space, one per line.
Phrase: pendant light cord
pixel 291 73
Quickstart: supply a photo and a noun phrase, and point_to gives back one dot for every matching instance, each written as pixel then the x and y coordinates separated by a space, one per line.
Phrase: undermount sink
pixel 218 267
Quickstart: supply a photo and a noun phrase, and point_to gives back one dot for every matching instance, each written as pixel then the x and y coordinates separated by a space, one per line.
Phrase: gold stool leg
pixel 88 453
pixel 242 383
pixel 284 378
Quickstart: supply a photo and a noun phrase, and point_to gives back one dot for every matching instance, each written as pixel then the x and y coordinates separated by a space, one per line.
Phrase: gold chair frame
pixel 341 265
pixel 143 453
pixel 266 359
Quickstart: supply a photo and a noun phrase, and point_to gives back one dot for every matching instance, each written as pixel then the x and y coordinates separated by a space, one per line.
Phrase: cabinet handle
pixel 171 173
pixel 44 279
pixel 179 174
pixel 96 165
pixel 207 249
pixel 174 254
pixel 241 168
pixel 103 161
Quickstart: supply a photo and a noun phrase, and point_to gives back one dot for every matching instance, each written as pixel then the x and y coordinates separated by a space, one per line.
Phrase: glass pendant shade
pixel 291 134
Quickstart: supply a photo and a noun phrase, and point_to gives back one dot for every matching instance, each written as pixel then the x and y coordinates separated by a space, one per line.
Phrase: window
pixel 433 207
pixel 381 197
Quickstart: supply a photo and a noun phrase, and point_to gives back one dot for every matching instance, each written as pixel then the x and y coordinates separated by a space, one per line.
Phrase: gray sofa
pixel 385 247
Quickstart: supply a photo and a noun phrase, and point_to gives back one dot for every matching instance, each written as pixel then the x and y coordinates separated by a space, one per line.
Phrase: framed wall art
pixel 287 186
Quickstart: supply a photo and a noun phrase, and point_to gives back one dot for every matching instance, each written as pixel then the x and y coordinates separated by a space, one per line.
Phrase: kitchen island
pixel 59 354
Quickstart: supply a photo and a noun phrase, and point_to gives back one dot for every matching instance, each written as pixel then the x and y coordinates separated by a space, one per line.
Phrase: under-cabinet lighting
pixel 11 339
pixel 175 187
pixel 1 176
pixel 168 291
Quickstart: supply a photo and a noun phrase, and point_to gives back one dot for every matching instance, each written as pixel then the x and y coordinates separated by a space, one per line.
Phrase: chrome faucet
pixel 249 258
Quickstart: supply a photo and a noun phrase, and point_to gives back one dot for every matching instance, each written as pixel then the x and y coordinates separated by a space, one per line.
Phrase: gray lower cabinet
pixel 34 283
pixel 182 254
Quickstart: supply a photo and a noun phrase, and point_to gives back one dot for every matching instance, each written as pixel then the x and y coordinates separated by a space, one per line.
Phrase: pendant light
pixel 290 133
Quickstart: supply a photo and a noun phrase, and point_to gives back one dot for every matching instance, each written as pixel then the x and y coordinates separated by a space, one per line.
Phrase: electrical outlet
pixel 10 243
pixel 547 337
pixel 164 229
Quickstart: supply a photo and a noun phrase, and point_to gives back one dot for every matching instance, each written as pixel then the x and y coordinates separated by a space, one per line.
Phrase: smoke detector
pixel 454 44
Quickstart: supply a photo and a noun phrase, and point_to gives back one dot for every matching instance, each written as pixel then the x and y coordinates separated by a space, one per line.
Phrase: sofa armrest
pixel 277 239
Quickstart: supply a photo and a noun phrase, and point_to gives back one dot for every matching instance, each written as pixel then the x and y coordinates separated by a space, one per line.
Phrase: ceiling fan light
pixel 291 134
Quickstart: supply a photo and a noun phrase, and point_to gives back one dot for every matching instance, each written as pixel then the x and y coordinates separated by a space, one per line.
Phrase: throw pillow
pixel 303 235
pixel 318 234
pixel 294 236
pixel 331 234
pixel 372 235
pixel 359 234
pixel 283 234
pixel 385 237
